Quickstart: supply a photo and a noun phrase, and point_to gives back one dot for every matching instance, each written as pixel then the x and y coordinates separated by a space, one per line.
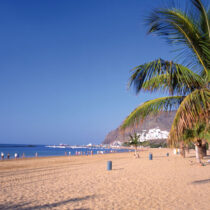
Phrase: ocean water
pixel 43 151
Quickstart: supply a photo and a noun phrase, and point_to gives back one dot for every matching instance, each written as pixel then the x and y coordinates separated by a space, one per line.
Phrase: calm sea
pixel 43 151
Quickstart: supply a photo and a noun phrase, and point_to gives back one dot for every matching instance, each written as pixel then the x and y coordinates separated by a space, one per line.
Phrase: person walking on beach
pixel 8 156
pixel 2 156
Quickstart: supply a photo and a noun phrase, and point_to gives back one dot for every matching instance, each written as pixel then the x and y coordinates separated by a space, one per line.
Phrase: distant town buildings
pixel 153 134
pixel 116 144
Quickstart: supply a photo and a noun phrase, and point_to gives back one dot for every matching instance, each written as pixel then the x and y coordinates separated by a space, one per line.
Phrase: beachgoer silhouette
pixel 2 156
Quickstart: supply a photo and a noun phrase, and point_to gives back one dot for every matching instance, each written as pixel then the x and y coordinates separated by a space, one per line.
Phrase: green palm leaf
pixel 179 27
pixel 134 140
pixel 201 130
pixel 166 76
pixel 205 17
pixel 152 107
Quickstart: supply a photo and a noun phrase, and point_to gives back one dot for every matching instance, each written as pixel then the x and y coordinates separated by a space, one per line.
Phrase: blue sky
pixel 64 67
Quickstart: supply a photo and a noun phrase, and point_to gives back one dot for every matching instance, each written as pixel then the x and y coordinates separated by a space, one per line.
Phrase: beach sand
pixel 84 183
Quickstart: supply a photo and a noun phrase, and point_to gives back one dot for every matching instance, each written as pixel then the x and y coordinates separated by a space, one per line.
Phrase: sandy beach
pixel 84 182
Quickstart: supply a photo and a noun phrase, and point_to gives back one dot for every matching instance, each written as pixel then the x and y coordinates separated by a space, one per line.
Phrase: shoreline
pixel 57 156
pixel 74 157
pixel 112 150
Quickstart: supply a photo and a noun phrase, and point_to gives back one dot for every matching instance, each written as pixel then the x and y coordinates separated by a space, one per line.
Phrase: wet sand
pixel 84 183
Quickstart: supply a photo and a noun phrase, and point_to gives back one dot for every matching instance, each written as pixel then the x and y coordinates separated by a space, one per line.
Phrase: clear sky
pixel 65 64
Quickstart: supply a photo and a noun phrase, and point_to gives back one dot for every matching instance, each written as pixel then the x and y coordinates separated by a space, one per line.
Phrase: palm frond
pixel 188 135
pixel 205 17
pixel 199 131
pixel 152 107
pixel 165 76
pixel 134 140
pixel 194 108
pixel 179 27
pixel 205 45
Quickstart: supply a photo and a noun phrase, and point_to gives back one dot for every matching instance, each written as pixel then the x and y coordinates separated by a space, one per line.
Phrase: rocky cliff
pixel 162 121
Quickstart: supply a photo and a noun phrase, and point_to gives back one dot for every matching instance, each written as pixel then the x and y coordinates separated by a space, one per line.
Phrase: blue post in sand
pixel 109 165
pixel 167 154
pixel 150 156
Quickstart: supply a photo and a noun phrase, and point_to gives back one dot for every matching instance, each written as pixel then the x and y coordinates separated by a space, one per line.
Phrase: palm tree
pixel 134 141
pixel 198 134
pixel 186 83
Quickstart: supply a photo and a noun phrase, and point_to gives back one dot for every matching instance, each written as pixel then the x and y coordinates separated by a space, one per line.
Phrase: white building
pixel 116 144
pixel 152 134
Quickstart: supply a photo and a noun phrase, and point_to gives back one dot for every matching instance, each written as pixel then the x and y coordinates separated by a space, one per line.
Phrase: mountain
pixel 157 124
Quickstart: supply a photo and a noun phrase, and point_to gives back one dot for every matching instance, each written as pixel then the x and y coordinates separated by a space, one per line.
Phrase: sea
pixel 44 150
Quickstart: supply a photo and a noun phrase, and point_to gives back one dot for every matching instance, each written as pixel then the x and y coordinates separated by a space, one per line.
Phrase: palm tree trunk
pixel 182 148
pixel 187 148
pixel 136 155
pixel 204 148
pixel 136 151
pixel 198 150
pixel 197 154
